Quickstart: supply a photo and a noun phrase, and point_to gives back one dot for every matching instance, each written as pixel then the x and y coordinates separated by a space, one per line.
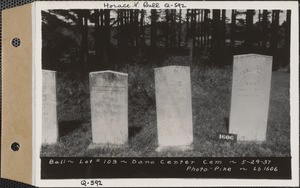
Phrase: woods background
pixel 88 40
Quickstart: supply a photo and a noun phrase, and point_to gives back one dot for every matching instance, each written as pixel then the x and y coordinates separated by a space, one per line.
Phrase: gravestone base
pixel 107 146
pixel 174 148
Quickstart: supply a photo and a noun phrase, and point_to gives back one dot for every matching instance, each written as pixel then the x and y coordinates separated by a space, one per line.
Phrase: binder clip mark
pixel 16 42
pixel 15 146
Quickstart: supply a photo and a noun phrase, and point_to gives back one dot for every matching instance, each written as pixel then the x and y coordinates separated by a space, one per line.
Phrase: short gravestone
pixel 250 96
pixel 109 108
pixel 49 111
pixel 174 107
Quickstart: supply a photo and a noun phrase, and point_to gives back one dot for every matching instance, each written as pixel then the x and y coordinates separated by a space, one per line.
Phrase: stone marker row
pixel 109 104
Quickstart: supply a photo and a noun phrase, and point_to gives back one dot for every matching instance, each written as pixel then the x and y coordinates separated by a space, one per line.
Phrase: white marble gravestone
pixel 49 111
pixel 250 96
pixel 109 108
pixel 174 107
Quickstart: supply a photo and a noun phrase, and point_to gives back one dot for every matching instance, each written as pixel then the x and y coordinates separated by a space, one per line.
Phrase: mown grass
pixel 211 90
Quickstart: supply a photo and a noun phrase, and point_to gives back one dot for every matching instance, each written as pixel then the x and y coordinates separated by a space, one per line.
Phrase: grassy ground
pixel 211 88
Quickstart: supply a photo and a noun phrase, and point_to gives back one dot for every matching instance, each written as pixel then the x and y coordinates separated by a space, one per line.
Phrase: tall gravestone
pixel 49 111
pixel 250 96
pixel 174 107
pixel 109 108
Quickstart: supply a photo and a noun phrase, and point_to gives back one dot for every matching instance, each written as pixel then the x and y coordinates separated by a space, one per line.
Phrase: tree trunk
pixel 259 27
pixel 118 28
pixel 288 30
pixel 287 37
pixel 192 34
pixel 126 28
pixel 121 23
pixel 131 29
pixel 232 28
pixel 249 28
pixel 85 42
pixel 201 27
pixel 187 25
pixel 107 35
pixel 194 24
pixel 198 28
pixel 275 28
pixel 97 28
pixel 265 28
pixel 107 27
pixel 223 30
pixel 167 29
pixel 82 22
pixel 142 29
pixel 136 28
pixel 153 29
pixel 173 28
pixel 179 29
pixel 216 32
pixel 206 28
pixel 101 35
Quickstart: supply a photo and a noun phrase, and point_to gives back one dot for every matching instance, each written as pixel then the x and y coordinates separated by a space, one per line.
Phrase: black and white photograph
pixel 169 91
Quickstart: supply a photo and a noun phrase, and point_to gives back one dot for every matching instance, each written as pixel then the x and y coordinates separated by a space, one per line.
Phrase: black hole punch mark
pixel 15 146
pixel 16 42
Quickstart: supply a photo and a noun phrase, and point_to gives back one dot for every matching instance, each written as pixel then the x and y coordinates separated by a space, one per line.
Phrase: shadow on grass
pixel 66 127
